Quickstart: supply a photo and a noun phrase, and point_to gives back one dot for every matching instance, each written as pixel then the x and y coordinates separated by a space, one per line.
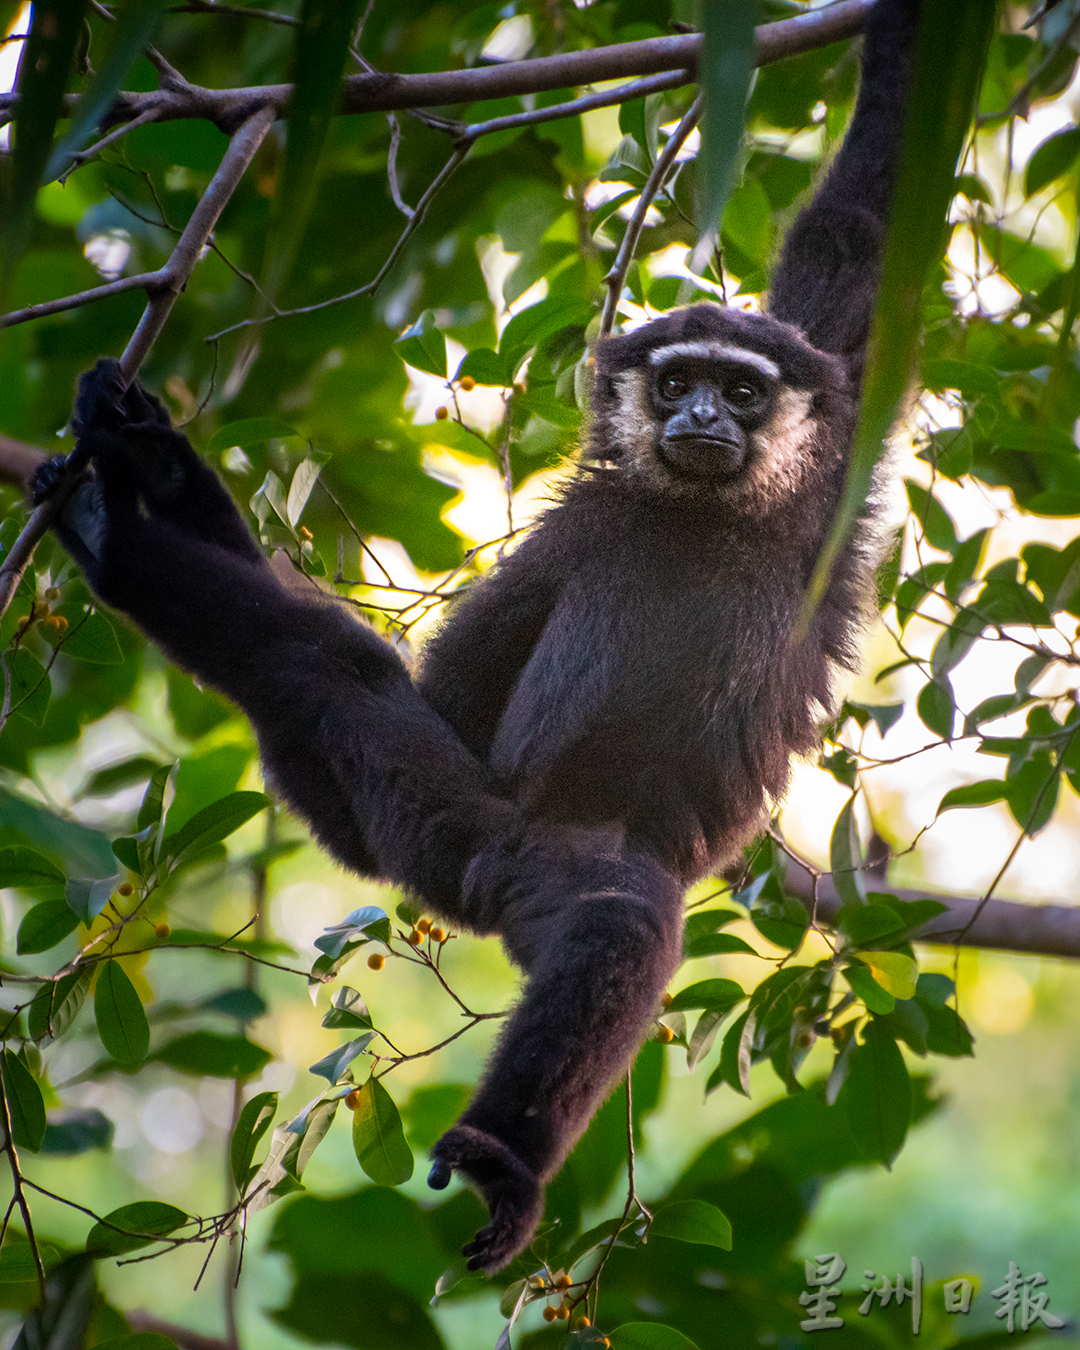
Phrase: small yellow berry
pixel 162 931
pixel 582 1323
pixel 438 935
pixel 467 383
pixel 423 926
pixel 562 1312
pixel 125 888
pixel 550 1314
pixel 664 1034
pixel 52 594
pixel 441 414
pixel 604 1342
pixel 352 1101
pixel 536 1282
pixel 667 999
pixel 563 1282
pixel 24 621
pixel 376 960
pixel 415 938
pixel 52 622
pixel 305 533
pixel 60 622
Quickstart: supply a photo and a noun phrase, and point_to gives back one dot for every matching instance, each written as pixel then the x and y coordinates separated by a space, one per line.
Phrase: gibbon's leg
pixel 391 790
pixel 597 962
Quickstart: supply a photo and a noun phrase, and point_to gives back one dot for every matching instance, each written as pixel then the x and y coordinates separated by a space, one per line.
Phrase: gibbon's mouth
pixel 703 456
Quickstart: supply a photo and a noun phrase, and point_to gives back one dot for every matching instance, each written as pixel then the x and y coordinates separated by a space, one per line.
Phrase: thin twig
pixel 414 222
pixel 19 1184
pixel 616 278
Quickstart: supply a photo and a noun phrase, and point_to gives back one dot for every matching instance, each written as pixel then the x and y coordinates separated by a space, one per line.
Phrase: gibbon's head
pixel 714 401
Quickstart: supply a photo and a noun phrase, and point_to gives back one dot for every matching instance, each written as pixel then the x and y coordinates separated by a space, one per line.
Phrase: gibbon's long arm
pixel 389 789
pixel 826 279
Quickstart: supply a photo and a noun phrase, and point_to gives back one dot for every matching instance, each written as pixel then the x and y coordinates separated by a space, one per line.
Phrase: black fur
pixel 604 719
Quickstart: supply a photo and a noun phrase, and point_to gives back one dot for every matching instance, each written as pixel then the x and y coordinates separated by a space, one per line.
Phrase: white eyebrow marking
pixel 715 351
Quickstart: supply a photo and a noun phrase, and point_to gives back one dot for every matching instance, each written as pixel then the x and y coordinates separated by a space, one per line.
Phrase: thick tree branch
pixel 1002 925
pixel 382 92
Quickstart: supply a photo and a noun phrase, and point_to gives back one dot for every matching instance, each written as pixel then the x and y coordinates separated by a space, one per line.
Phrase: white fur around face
pixel 715 351
pixel 783 457
pixel 782 451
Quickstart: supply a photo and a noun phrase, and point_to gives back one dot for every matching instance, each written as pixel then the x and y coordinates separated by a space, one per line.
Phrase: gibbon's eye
pixel 742 394
pixel 671 387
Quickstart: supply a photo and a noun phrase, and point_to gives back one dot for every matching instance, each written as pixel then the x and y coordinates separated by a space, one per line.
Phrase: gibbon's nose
pixel 705 412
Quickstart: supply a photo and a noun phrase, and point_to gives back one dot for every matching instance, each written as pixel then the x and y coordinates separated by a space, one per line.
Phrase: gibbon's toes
pixel 511 1191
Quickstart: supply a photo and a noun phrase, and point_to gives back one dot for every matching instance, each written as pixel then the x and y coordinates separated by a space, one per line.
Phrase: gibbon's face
pixel 708 399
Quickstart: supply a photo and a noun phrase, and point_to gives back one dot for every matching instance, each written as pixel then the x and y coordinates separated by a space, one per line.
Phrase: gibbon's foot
pixel 513 1194
pixel 46 477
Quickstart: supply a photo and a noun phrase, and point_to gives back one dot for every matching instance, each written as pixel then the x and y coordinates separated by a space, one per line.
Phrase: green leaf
pixel 153 802
pixel 378 1139
pixel 845 857
pixel 58 1003
pixel 25 1104
pixel 725 69
pixel 116 777
pixel 877 1094
pixel 249 432
pixel 1055 156
pixel 303 480
pixel 947 1033
pixel 211 825
pixel 936 707
pixel 17 1264
pixel 865 923
pixel 718 995
pixel 895 972
pixel 735 1054
pixel 140 1223
pixel 423 345
pixel 332 1066
pixel 121 1020
pixel 693 1221
pixel 252 1123
pixel 126 851
pixel 485 367
pixel 44 926
pixel 90 638
pixel 133 28
pixel 205 1052
pixel 649 1336
pixel 86 897
pixel 366 923
pixel 31 688
pixel 974 794
pixel 24 868
pixel 348 1011
pixel 719 944
pixel 867 988
pixel 77 1131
